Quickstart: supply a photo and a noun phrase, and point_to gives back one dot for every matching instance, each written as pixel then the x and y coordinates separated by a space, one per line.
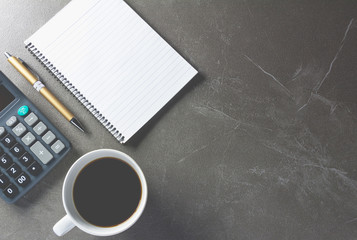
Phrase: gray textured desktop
pixel 262 144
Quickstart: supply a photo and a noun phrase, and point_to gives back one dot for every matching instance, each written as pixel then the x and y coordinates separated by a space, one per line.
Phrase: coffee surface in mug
pixel 107 192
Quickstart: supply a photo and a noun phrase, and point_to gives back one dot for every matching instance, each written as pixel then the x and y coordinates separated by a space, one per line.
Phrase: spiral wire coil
pixel 54 71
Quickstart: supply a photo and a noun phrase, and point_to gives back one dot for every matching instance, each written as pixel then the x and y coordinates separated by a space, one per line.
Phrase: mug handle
pixel 63 226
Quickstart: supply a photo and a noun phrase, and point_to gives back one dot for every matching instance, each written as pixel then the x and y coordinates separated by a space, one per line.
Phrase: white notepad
pixel 112 61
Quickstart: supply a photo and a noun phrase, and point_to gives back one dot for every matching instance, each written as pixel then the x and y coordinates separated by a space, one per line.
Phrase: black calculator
pixel 30 146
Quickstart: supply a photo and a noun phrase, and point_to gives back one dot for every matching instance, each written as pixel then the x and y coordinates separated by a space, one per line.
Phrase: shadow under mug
pixel 73 218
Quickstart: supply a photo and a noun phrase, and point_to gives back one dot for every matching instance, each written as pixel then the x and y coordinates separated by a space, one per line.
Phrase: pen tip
pixel 7 55
pixel 76 123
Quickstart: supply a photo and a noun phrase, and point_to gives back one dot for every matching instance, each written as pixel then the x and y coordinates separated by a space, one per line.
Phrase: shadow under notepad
pixel 144 131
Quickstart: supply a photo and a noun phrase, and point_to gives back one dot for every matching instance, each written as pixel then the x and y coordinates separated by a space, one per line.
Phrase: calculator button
pixel 17 150
pixel 40 128
pixel 26 159
pixel 11 121
pixel 14 170
pixel 23 110
pixel 31 119
pixel 48 137
pixel 19 129
pixel 28 139
pixel 57 147
pixel 23 180
pixel 35 169
pixel 11 191
pixel 2 132
pixel 41 152
pixel 8 141
pixel 5 161
pixel 4 181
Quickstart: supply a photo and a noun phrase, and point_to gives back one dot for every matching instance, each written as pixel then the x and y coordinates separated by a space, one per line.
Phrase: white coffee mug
pixel 73 218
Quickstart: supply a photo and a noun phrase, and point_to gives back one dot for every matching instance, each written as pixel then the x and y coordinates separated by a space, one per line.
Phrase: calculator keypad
pixel 14 170
pixel 28 139
pixel 19 129
pixel 8 141
pixel 41 152
pixel 26 159
pixel 17 150
pixel 11 191
pixel 40 128
pixel 31 147
pixel 58 146
pixel 31 119
pixel 2 131
pixel 5 161
pixel 48 137
pixel 23 179
pixel 35 169
pixel 4 181
pixel 11 121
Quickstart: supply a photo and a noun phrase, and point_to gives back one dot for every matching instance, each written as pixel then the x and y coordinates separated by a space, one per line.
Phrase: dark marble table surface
pixel 262 144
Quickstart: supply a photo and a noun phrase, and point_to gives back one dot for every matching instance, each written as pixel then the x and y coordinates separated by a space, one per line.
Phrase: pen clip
pixel 29 68
pixel 37 85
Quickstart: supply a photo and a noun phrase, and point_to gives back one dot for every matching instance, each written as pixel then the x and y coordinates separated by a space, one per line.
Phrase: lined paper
pixel 115 59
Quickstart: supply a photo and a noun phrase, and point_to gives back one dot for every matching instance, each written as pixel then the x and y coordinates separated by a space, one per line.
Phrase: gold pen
pixel 22 68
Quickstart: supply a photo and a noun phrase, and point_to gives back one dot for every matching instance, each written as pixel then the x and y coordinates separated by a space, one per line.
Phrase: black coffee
pixel 107 192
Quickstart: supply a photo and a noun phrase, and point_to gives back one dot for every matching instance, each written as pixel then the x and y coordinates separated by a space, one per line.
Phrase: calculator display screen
pixel 5 97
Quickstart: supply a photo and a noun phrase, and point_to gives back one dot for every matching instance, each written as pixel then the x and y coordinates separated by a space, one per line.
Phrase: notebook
pixel 112 61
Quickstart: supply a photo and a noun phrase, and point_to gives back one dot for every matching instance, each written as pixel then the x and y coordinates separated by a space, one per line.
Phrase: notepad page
pixel 115 59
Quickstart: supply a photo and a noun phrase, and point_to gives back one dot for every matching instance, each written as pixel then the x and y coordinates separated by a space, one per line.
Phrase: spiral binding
pixel 54 71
